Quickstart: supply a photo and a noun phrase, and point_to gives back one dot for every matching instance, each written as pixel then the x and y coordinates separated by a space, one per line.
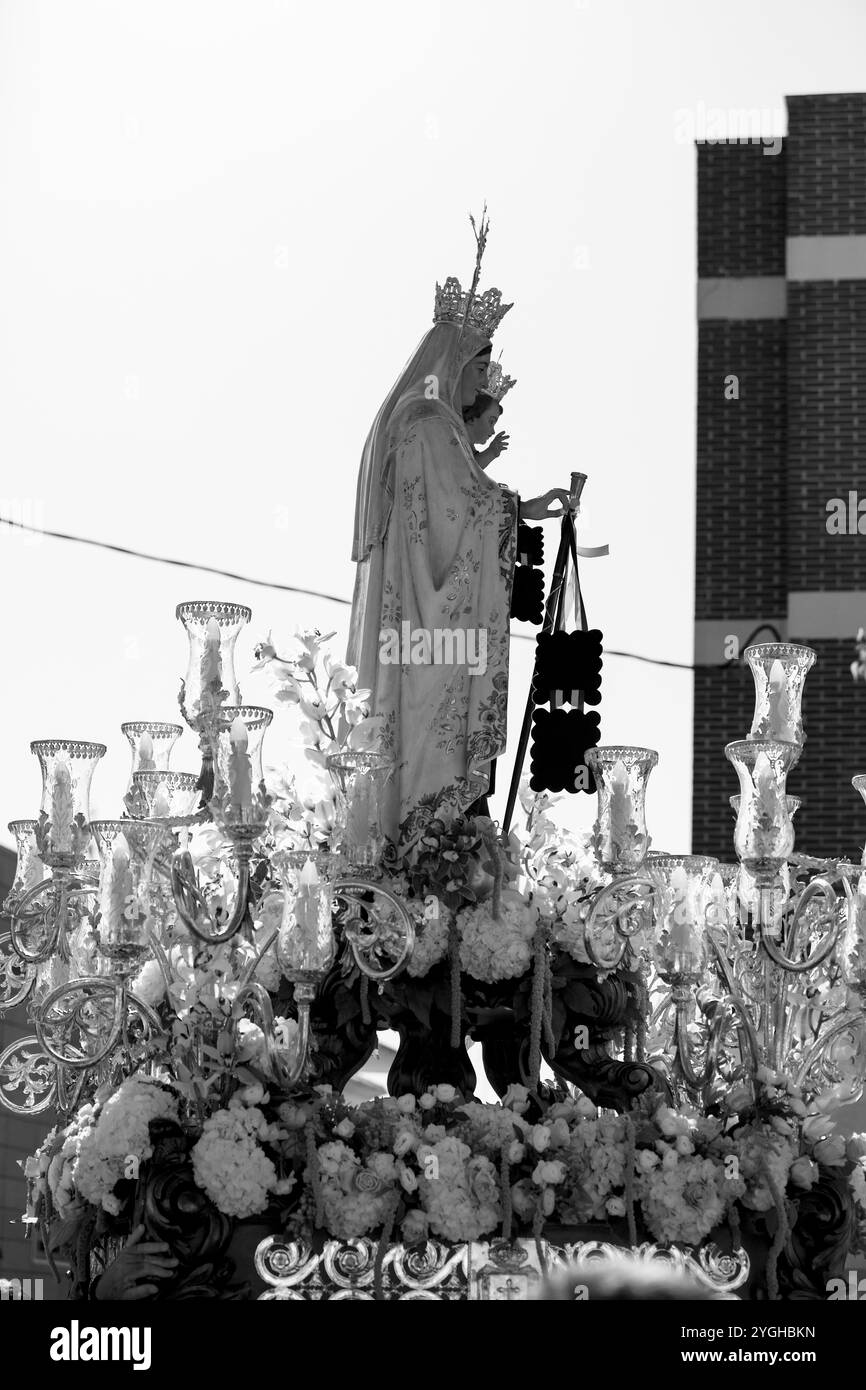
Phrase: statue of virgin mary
pixel 434 543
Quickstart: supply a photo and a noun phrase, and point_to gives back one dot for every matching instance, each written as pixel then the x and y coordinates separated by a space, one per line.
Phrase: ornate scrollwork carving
pixel 174 1209
pixel 495 1271
pixel 595 1009
pixel 17 976
pixel 820 1238
pixel 27 1077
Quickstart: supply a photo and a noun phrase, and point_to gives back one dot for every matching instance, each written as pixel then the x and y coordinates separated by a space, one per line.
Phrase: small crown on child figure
pixel 486 311
pixel 497 382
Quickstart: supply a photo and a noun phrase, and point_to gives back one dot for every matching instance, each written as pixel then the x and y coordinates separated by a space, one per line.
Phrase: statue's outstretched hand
pixel 137 1261
pixel 498 444
pixel 540 508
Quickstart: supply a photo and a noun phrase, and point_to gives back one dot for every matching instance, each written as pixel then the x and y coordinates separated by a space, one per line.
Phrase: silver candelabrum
pixel 94 900
pixel 746 969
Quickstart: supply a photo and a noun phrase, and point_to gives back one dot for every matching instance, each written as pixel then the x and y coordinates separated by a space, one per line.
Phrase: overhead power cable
pixel 318 593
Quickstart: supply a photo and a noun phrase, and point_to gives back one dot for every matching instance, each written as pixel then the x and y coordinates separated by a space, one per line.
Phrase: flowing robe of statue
pixel 435 543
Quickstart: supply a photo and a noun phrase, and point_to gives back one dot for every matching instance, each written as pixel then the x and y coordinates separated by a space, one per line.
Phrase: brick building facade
pixel 781 432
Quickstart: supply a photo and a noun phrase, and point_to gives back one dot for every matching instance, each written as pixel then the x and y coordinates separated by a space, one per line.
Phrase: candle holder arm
pixel 817 887
pixel 42 922
pixel 625 921
pixel 366 938
pixel 253 1000
pixel 17 976
pixel 849 1021
pixel 728 1007
pixel 192 907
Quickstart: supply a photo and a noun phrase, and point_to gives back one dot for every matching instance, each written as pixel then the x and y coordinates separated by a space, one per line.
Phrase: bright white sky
pixel 221 227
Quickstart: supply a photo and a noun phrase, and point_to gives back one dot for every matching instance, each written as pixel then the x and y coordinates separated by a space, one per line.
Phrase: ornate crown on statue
pixel 482 313
pixel 497 381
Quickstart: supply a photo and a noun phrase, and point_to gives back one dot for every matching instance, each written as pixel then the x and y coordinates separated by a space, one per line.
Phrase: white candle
pixel 781 725
pixel 679 886
pixel 145 754
pixel 309 875
pixel 240 767
pixel 119 885
pixel 62 809
pixel 360 808
pixel 307 904
pixel 35 871
pixel 766 786
pixel 161 808
pixel 210 657
pixel 718 902
pixel 620 807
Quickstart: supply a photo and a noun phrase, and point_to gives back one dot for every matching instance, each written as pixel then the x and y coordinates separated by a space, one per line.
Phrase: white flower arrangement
pixel 431 935
pixel 231 1166
pixel 120 1134
pixel 356 1196
pixel 462 1201
pixel 763 1156
pixel 497 949
pixel 563 871
pixel 149 984
pixel 685 1196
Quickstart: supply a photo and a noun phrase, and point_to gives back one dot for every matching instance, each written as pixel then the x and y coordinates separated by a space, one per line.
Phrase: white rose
pixel 539 1138
pixel 403 1143
pixel 831 1152
pixel 550 1171
pixel 408 1180
pixel 516 1098
pixel 803 1172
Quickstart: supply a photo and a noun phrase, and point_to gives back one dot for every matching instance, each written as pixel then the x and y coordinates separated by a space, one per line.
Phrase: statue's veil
pixel 428 384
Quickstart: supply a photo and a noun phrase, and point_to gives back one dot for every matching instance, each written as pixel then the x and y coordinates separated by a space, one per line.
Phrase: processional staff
pixel 565 573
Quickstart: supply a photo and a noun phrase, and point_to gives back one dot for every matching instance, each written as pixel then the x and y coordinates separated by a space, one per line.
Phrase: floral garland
pixel 463 1170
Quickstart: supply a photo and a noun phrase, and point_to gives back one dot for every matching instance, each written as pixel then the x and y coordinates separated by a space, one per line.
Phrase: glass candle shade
pixel 859 785
pixel 794 804
pixel 165 795
pixel 779 670
pixel 305 943
pixel 358 830
pixel 718 916
pixel 727 900
pixel 29 868
pixel 621 775
pixel 255 720
pixel 151 743
pixel 126 853
pixel 851 951
pixel 67 767
pixel 764 832
pixel 852 947
pixel 212 629
pixel 685 895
